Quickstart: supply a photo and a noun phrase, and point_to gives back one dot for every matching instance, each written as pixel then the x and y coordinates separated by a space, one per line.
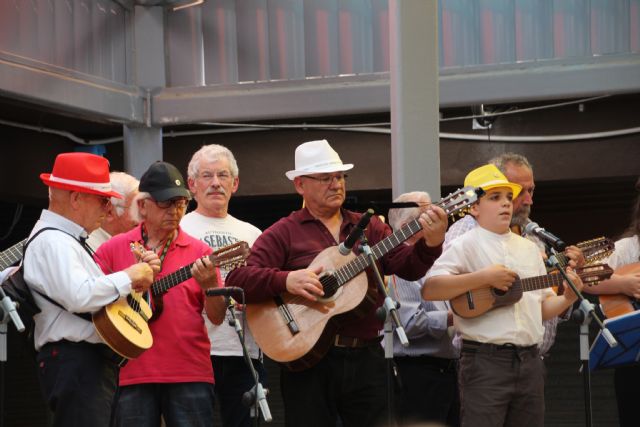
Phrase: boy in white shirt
pixel 500 374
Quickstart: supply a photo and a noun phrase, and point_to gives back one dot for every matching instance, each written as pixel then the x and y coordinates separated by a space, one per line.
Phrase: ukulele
pixel 478 301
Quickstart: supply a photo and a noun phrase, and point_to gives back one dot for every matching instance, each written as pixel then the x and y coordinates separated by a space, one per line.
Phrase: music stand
pixel 626 329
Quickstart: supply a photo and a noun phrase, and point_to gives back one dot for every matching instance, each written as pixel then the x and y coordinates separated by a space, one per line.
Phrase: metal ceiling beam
pixel 539 81
pixel 35 82
pixel 331 96
pixel 503 83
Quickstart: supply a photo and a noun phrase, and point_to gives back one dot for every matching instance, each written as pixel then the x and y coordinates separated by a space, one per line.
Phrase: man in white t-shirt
pixel 213 178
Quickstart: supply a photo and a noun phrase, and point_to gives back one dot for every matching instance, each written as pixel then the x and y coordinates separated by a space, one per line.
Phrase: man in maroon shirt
pixel 350 380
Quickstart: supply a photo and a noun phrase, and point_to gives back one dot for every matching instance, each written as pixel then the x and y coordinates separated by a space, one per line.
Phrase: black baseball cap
pixel 164 182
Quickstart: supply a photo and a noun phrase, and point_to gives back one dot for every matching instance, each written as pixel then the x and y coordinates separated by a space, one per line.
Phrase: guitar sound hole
pixel 329 285
pixel 499 292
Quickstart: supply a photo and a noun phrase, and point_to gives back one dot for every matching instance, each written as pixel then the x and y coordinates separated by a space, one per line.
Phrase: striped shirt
pixel 425 322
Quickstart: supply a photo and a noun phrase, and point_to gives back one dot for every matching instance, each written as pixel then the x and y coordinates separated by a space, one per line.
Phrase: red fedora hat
pixel 83 172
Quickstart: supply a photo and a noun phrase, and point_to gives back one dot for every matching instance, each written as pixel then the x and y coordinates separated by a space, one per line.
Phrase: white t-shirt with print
pixel 218 233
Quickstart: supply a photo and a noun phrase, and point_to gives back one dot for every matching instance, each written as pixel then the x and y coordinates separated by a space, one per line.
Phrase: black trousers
pixel 233 379
pixel 78 381
pixel 626 380
pixel 428 390
pixel 349 383
pixel 501 386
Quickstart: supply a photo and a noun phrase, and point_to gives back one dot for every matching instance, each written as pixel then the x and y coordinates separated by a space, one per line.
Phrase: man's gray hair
pixel 124 184
pixel 400 216
pixel 502 160
pixel 212 152
pixel 135 212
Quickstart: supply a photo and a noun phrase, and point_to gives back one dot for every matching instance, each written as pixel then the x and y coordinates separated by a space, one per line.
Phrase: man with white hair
pixel 348 378
pixel 428 389
pixel 78 373
pixel 121 214
pixel 213 177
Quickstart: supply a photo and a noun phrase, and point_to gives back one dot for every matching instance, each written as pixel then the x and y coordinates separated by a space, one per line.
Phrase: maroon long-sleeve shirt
pixel 293 242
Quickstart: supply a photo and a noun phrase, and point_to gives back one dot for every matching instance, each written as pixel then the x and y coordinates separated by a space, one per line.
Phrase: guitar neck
pixel 451 204
pixel 228 258
pixel 356 266
pixel 10 256
pixel 162 285
pixel 380 249
pixel 590 275
pixel 562 259
pixel 539 282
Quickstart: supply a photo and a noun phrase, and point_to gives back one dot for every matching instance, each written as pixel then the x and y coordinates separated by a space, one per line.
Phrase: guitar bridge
pixel 472 306
pixel 130 321
pixel 286 314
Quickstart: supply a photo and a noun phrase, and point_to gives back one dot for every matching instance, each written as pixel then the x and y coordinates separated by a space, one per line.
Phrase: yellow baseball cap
pixel 488 177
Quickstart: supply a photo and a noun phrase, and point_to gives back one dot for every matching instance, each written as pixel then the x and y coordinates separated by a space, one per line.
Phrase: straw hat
pixel 83 172
pixel 316 157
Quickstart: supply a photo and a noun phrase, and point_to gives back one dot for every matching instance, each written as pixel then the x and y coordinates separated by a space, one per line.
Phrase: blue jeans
pixel 181 405
pixel 233 379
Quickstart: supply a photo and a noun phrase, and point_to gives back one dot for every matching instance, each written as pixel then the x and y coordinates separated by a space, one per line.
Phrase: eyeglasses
pixel 327 180
pixel 166 204
pixel 222 176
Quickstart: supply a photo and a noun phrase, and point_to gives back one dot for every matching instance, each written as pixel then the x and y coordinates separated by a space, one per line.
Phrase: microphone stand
pixel 256 398
pixel 9 313
pixel 390 313
pixel 584 315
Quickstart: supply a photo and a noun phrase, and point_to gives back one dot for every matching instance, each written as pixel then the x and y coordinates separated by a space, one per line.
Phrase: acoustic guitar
pixel 615 305
pixel 10 256
pixel 297 332
pixel 123 324
pixel 478 301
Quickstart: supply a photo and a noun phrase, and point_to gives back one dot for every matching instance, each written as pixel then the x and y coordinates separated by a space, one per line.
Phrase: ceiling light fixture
pixel 189 4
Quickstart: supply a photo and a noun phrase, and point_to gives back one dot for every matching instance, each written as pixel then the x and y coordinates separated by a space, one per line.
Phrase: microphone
pixel 9 308
pixel 533 229
pixel 224 292
pixel 345 247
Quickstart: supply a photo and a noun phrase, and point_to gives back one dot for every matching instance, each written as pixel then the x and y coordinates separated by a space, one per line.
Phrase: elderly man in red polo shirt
pixel 174 378
pixel 77 372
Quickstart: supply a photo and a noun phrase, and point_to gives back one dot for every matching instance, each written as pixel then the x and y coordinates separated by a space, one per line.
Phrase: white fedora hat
pixel 317 157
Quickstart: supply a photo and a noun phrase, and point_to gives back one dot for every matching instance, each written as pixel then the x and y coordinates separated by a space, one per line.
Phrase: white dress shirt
pixel 57 265
pixel 519 323
pixel 468 223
